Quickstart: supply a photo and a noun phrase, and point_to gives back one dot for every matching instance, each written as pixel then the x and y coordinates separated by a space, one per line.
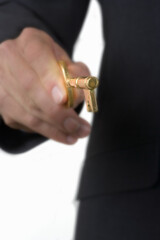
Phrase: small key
pixel 88 84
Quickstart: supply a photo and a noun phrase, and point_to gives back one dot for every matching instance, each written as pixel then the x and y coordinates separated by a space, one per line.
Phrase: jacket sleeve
pixel 62 20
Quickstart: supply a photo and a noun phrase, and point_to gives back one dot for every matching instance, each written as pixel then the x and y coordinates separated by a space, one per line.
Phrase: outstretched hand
pixel 32 91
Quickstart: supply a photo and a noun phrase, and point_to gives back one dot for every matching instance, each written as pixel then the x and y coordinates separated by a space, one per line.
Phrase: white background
pixel 38 188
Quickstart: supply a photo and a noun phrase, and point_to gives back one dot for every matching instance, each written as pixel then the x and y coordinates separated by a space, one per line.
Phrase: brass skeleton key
pixel 88 84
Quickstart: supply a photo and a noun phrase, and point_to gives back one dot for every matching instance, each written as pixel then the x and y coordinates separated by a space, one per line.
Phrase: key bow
pixel 88 84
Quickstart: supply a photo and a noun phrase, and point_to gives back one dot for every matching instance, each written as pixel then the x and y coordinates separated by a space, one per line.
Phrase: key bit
pixel 88 84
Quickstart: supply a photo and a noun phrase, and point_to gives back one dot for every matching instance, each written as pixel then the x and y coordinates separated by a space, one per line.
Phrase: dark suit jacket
pixel 123 150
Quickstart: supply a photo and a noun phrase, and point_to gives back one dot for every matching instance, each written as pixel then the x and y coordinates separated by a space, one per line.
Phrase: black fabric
pixel 128 169
pixel 128 99
pixel 132 215
pixel 61 19
pixel 16 141
pixel 122 152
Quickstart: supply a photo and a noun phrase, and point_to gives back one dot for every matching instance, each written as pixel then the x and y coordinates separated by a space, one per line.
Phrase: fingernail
pixel 71 140
pixel 71 125
pixel 57 95
pixel 84 131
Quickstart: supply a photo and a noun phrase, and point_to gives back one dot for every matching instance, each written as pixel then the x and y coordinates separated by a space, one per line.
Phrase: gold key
pixel 88 84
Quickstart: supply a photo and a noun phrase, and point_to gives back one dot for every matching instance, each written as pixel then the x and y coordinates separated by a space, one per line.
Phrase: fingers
pixel 63 129
pixel 34 88
pixel 16 117
pixel 33 97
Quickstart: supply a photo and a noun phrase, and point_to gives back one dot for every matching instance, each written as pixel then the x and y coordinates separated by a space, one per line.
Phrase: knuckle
pixel 27 37
pixel 28 32
pixel 7 46
pixel 42 35
pixel 34 43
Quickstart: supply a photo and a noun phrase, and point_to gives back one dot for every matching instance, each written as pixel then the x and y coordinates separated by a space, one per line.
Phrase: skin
pixel 32 91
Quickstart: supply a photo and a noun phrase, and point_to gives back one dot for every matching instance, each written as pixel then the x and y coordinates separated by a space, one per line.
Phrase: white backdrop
pixel 38 188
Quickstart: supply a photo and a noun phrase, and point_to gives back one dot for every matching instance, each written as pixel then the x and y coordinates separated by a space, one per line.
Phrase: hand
pixel 32 91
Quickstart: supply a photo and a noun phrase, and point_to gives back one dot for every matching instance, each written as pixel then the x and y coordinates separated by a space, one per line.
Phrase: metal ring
pixel 70 95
